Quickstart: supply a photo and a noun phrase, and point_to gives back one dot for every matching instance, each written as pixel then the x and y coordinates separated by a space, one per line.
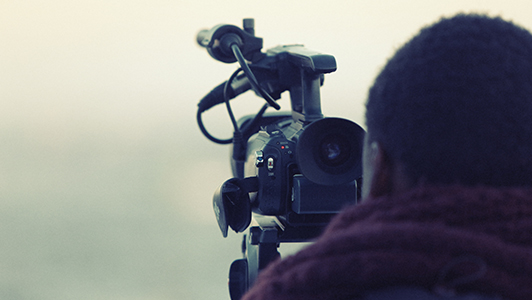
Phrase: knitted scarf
pixel 449 239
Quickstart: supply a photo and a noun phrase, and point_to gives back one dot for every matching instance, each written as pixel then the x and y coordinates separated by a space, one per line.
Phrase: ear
pixel 380 171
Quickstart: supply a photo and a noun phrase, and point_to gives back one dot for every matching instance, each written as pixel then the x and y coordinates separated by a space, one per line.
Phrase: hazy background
pixel 105 181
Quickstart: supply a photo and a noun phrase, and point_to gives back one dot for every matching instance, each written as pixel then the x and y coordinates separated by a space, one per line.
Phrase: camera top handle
pixel 282 68
pixel 301 70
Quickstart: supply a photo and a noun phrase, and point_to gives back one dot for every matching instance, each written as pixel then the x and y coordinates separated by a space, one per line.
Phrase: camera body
pixel 305 174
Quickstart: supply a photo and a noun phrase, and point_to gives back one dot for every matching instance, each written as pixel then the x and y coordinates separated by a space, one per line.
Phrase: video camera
pixel 292 171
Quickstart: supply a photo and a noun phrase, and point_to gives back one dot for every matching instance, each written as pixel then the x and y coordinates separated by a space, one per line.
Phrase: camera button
pixel 270 164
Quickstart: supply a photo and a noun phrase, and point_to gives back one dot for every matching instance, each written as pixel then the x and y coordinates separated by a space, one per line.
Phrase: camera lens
pixel 334 151
pixel 329 151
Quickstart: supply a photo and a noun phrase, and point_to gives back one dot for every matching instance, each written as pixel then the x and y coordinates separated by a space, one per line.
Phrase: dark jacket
pixel 443 240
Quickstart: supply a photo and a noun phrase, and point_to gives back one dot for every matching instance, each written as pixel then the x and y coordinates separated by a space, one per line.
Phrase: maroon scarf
pixel 454 238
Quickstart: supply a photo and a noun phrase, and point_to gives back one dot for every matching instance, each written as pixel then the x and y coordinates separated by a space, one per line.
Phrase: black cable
pixel 249 128
pixel 207 134
pixel 240 140
pixel 227 98
pixel 254 83
pixel 251 77
pixel 230 112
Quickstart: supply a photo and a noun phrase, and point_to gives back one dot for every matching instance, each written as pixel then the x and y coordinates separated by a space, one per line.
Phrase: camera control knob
pixel 259 158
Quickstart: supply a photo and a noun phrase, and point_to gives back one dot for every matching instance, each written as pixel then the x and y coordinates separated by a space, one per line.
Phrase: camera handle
pixel 302 71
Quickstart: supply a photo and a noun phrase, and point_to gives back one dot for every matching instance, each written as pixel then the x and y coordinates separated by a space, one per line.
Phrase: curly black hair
pixel 454 104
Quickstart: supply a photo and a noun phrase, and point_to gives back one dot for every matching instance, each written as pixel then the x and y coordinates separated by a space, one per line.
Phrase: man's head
pixel 453 105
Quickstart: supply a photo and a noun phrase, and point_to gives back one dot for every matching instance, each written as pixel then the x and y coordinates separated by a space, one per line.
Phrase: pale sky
pixel 105 181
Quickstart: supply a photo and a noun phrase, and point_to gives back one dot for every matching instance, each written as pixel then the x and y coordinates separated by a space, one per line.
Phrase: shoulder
pixel 408 293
